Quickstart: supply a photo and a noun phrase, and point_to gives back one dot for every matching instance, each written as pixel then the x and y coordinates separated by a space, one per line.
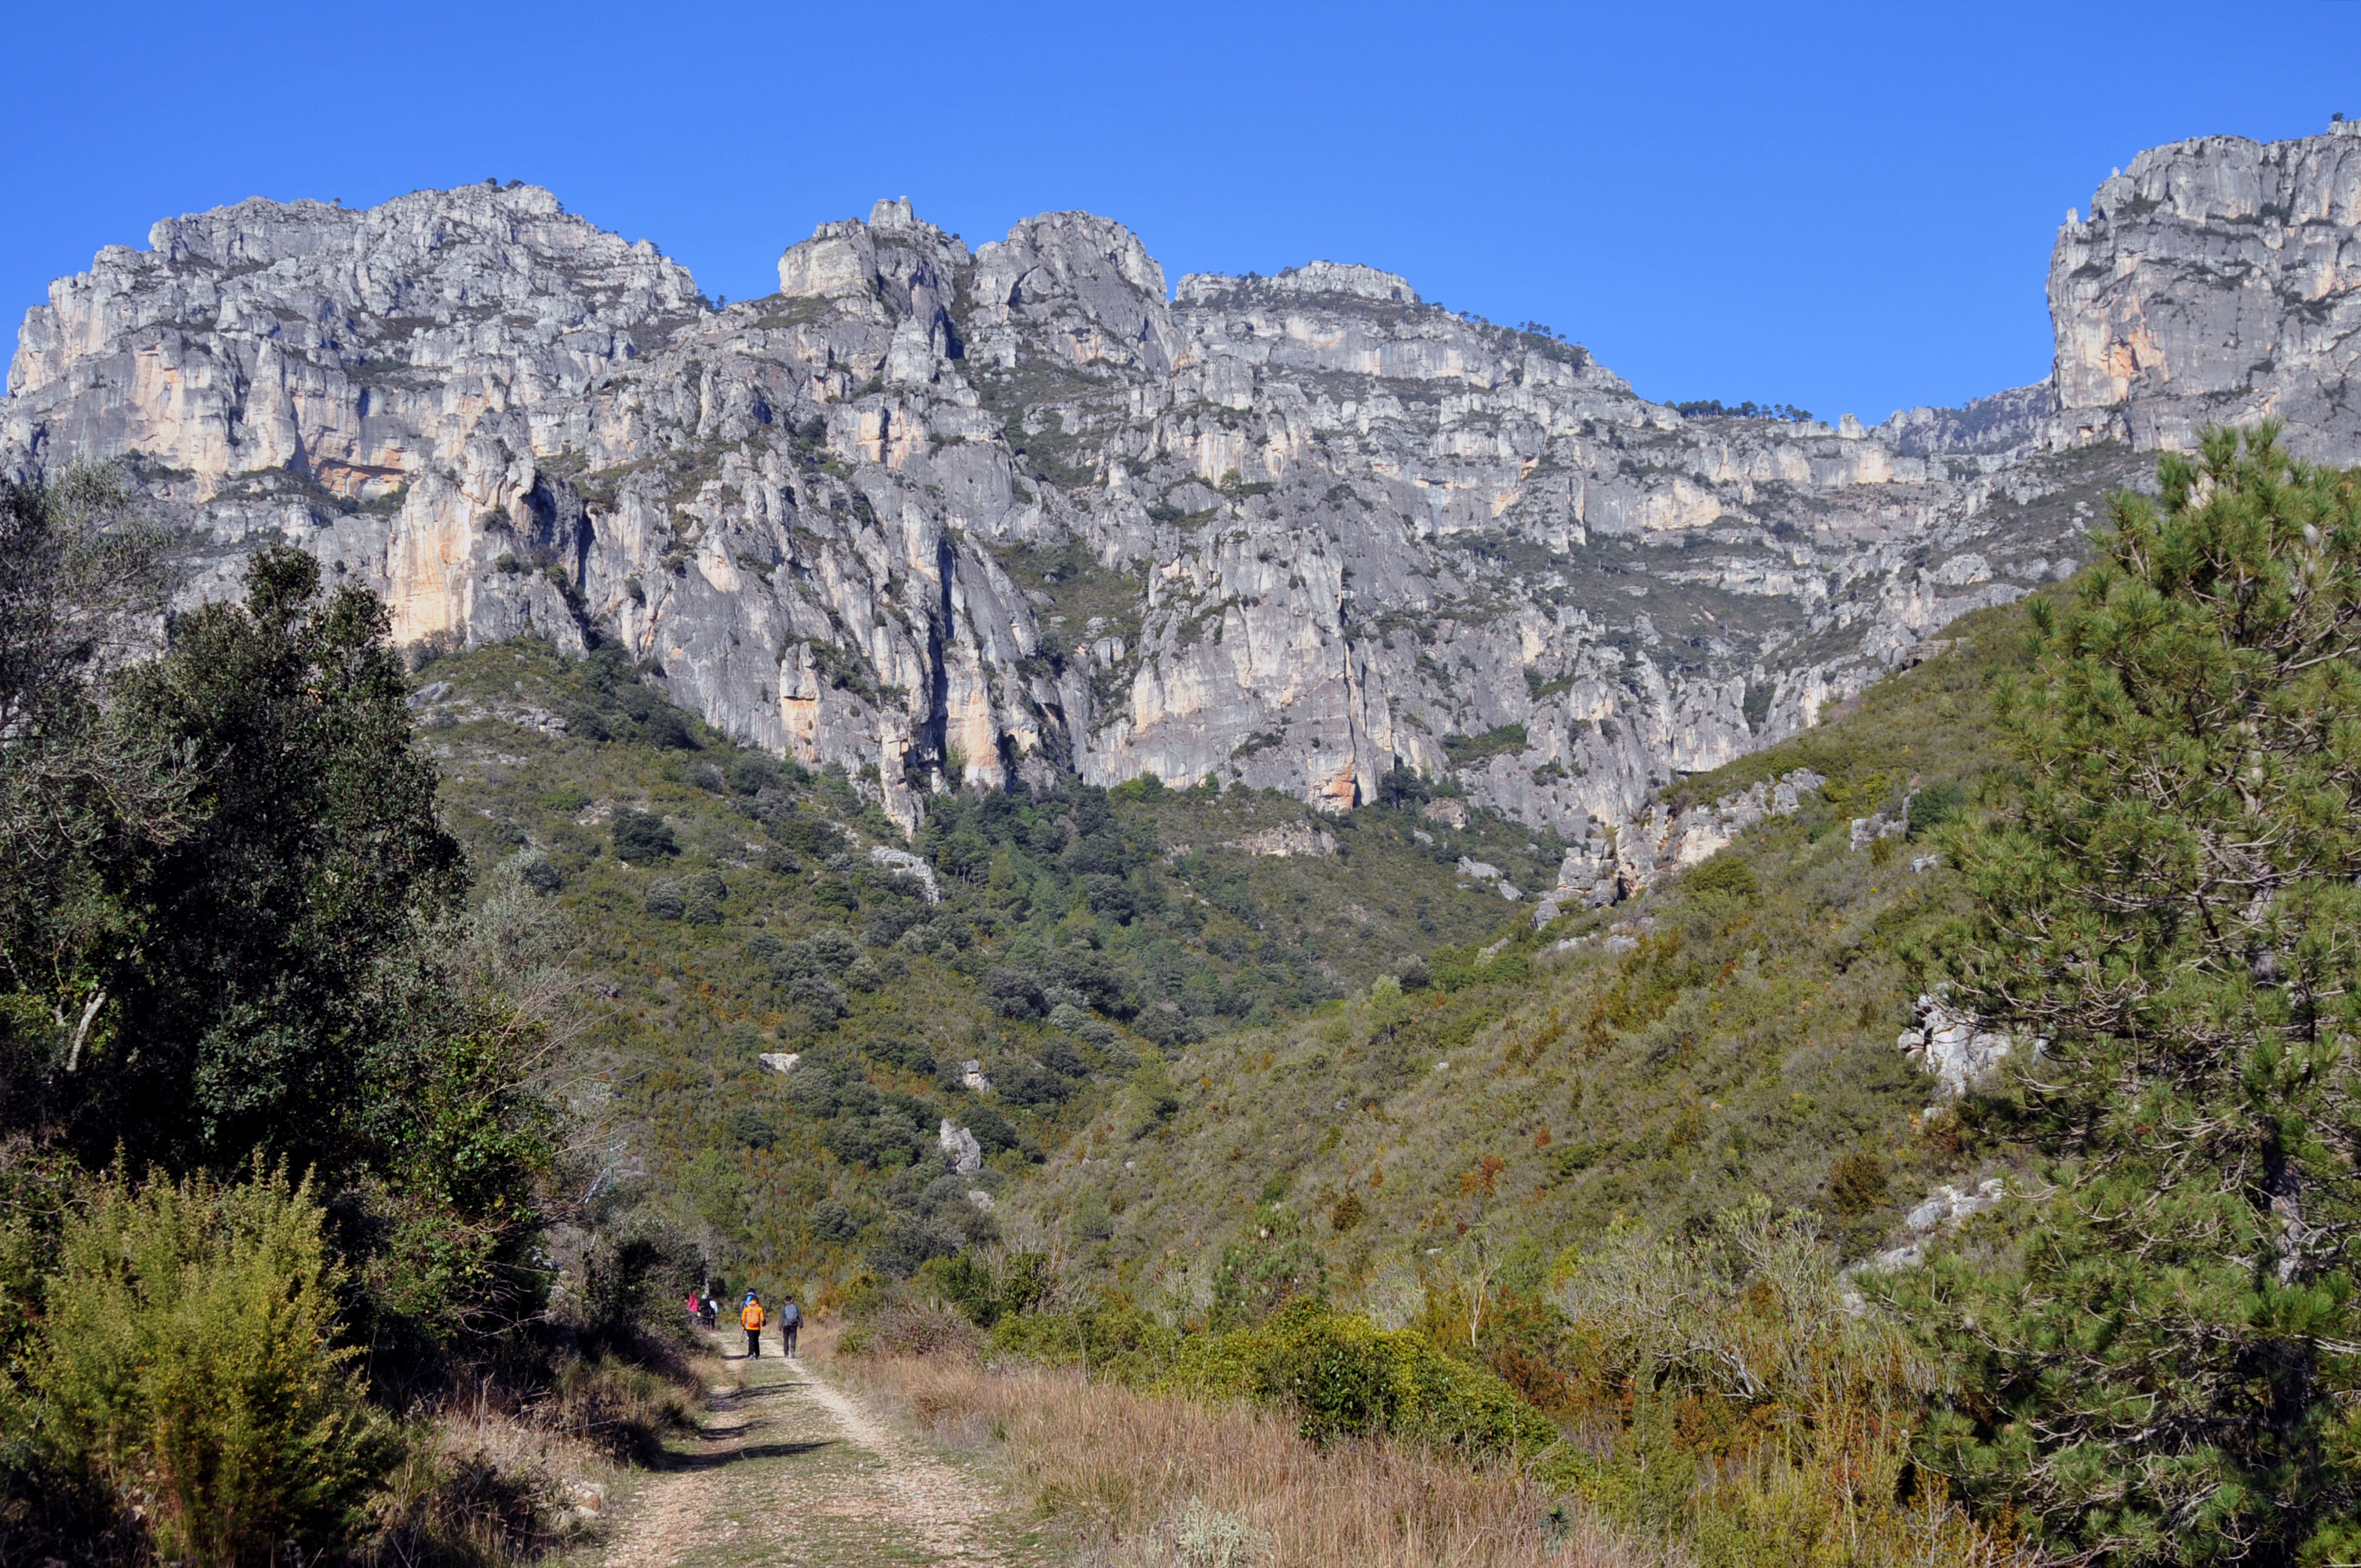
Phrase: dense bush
pixel 1344 1376
pixel 188 1360
pixel 1740 1398
pixel 641 836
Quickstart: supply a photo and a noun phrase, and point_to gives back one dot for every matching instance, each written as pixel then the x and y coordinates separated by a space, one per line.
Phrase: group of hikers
pixel 705 1307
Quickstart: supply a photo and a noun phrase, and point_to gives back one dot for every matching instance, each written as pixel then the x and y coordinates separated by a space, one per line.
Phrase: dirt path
pixel 791 1470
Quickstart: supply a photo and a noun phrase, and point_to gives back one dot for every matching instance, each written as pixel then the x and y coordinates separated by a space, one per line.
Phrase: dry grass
pixel 491 1478
pixel 476 1485
pixel 1122 1470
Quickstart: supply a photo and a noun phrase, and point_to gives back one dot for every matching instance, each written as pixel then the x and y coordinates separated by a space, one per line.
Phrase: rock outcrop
pixel 2215 282
pixel 942 516
pixel 1953 1048
pixel 960 1150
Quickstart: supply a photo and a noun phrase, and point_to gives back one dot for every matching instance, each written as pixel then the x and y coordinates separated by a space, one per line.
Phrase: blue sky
pixel 1844 206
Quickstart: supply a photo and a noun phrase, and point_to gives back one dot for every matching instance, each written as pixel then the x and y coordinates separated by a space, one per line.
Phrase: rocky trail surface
pixel 790 1469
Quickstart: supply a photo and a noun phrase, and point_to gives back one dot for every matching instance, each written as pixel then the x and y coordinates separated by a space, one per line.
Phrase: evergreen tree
pixel 83 581
pixel 2156 1363
pixel 253 998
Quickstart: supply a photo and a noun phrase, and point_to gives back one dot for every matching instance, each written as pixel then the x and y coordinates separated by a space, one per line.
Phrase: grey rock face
pixel 2216 281
pixel 939 516
pixel 1952 1047
pixel 1993 428
pixel 1283 842
pixel 961 1149
pixel 1662 841
pixel 1945 1208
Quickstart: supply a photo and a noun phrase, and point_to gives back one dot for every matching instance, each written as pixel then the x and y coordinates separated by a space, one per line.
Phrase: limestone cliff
pixel 941 514
pixel 2216 281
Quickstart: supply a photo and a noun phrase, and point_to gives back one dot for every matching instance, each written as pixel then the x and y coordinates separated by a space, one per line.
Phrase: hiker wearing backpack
pixel 750 1318
pixel 791 1318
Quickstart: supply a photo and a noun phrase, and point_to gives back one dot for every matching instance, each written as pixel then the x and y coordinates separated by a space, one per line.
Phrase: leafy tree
pixel 83 586
pixel 250 1004
pixel 2159 1365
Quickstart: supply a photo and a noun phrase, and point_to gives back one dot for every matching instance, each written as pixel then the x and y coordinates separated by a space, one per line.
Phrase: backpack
pixel 751 1316
pixel 791 1314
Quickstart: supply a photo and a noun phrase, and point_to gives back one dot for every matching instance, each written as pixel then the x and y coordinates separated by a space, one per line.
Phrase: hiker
pixel 750 1317
pixel 695 1308
pixel 712 1308
pixel 791 1318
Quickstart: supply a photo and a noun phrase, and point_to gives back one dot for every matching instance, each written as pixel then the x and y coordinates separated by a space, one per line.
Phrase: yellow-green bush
pixel 1758 1413
pixel 186 1360
pixel 1339 1373
pixel 1110 1336
pixel 1344 1376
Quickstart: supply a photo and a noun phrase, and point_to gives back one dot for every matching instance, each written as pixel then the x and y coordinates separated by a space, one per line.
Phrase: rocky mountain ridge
pixel 943 515
pixel 2215 282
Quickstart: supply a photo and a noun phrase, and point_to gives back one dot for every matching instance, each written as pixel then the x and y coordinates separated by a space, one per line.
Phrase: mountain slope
pixel 1730 1033
pixel 727 905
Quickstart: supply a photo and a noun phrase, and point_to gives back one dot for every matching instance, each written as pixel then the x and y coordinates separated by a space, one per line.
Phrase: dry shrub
pixel 1144 1479
pixel 914 1328
pixel 496 1477
pixel 623 1408
pixel 467 1493
pixel 1744 1401
pixel 503 1475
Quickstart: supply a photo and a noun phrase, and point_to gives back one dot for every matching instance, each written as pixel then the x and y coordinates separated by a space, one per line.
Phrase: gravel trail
pixel 790 1470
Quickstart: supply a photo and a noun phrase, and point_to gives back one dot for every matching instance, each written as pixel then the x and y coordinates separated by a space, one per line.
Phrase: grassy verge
pixel 1141 1478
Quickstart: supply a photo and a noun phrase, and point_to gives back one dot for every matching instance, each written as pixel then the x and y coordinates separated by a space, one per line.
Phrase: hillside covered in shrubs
pixel 1663 1174
pixel 374 1038
pixel 734 907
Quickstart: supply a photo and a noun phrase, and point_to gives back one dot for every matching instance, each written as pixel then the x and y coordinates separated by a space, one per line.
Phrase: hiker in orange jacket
pixel 750 1318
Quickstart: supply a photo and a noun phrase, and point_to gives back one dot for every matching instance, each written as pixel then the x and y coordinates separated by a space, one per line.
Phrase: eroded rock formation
pixel 940 515
pixel 2215 282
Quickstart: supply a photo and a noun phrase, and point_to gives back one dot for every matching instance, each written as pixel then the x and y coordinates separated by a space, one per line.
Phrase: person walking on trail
pixel 791 1318
pixel 750 1318
pixel 712 1311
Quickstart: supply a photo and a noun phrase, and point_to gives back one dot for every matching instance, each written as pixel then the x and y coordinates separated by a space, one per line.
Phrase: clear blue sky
pixel 1845 206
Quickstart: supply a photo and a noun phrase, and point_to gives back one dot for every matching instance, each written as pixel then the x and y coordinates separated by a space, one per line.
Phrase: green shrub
pixel 1936 805
pixel 1110 1336
pixel 641 837
pixel 1257 1275
pixel 187 1362
pixel 989 1287
pixel 1726 874
pixel 1344 1376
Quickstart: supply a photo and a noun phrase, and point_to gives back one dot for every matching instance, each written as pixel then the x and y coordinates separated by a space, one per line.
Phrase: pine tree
pixel 2156 1361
